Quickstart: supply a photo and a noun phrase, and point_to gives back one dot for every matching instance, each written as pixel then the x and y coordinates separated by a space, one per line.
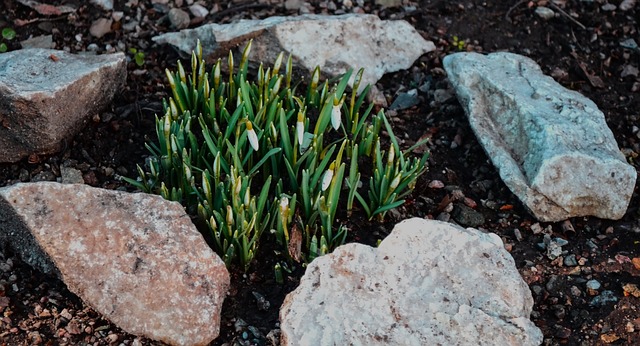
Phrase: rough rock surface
pixel 315 40
pixel 551 145
pixel 428 283
pixel 46 95
pixel 135 258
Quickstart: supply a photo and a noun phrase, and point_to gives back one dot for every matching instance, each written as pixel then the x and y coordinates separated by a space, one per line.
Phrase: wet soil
pixel 585 47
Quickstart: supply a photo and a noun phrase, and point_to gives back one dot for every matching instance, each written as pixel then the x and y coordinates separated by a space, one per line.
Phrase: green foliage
pixel 8 34
pixel 458 43
pixel 251 154
pixel 138 56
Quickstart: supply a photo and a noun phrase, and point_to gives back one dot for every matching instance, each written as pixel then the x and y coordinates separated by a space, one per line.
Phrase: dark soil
pixel 590 60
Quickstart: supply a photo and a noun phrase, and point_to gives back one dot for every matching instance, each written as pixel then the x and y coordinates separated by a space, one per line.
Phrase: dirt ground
pixel 587 46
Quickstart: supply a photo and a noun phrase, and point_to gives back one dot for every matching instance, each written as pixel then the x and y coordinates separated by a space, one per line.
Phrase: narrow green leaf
pixel 263 160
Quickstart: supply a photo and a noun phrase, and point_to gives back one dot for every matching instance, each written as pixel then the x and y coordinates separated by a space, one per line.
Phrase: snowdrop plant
pixel 248 153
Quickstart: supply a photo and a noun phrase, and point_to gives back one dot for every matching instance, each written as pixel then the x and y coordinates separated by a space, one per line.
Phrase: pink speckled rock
pixel 135 258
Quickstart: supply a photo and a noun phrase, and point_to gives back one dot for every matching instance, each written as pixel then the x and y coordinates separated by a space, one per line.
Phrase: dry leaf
pixel 295 243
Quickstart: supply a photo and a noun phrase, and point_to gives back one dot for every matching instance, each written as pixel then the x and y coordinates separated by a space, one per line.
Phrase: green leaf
pixel 263 160
pixel 387 207
pixel 8 33
pixel 139 58
pixel 284 134
pixel 3 47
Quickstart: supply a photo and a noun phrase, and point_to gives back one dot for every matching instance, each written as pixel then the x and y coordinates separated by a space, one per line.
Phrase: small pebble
pixel 198 10
pixel 517 234
pixel 545 12
pixel 112 337
pixel 436 184
pixel 100 27
pixel 179 19
pixel 593 284
pixel 536 228
pixel 575 291
pixel 604 298
pixel 570 261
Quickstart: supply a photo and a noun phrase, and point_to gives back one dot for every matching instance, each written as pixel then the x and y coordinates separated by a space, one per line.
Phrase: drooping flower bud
pixel 328 176
pixel 252 136
pixel 300 127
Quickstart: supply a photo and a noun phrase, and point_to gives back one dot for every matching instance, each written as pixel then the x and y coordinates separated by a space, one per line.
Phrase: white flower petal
pixel 336 116
pixel 300 131
pixel 284 203
pixel 326 179
pixel 253 138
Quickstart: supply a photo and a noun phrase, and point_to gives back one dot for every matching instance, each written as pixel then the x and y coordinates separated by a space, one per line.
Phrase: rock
pixel 179 19
pixel 44 41
pixel 198 11
pixel 335 43
pixel 593 285
pixel 106 5
pixel 47 95
pixel 466 216
pixel 545 12
pixel 100 27
pixel 570 261
pixel 388 3
pixel 70 175
pixel 441 96
pixel 293 5
pixel 406 100
pixel 427 283
pixel 629 70
pixel 135 258
pixel 605 298
pixel 551 145
pixel 626 5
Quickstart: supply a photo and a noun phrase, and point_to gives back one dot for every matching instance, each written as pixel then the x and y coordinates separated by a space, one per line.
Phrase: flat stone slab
pixel 428 283
pixel 46 96
pixel 551 145
pixel 135 258
pixel 335 43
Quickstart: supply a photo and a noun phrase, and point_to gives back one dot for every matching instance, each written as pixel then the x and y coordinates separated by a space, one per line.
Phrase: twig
pixel 507 16
pixel 551 4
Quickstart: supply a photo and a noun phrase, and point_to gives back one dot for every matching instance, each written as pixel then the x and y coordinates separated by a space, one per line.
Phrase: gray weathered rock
pixel 551 145
pixel 135 258
pixel 179 19
pixel 335 43
pixel 47 95
pixel 428 283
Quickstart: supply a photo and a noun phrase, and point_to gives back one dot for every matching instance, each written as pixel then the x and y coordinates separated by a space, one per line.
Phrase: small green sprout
pixel 458 43
pixel 138 56
pixel 7 34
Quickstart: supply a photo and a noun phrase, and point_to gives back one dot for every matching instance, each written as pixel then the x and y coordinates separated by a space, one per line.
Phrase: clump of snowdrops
pixel 254 154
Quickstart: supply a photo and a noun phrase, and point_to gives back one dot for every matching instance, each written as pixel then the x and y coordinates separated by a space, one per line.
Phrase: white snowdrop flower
pixel 392 154
pixel 300 127
pixel 252 136
pixel 336 116
pixel 395 182
pixel 327 177
pixel 284 203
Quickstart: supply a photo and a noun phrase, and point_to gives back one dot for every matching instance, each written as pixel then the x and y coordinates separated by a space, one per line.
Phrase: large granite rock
pixel 135 258
pixel 335 43
pixel 47 95
pixel 551 145
pixel 428 283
